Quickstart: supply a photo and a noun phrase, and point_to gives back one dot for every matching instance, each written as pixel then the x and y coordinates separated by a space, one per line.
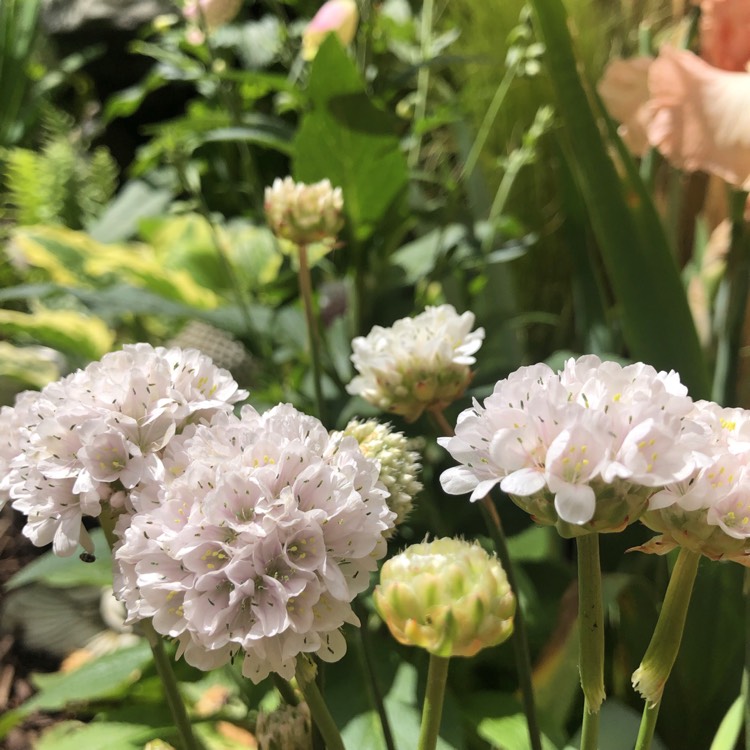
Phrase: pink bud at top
pixel 336 16
pixel 210 13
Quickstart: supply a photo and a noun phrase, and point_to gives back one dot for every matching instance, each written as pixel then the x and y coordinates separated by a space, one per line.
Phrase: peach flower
pixel 624 90
pixel 700 116
pixel 725 33
pixel 335 16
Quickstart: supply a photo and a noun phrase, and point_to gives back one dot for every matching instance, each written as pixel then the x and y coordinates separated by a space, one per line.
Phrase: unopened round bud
pixel 399 466
pixel 448 596
pixel 286 728
pixel 303 213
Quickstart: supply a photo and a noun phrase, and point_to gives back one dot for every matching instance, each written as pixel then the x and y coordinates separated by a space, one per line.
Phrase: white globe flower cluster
pixel 99 434
pixel 709 512
pixel 266 528
pixel 420 363
pixel 583 449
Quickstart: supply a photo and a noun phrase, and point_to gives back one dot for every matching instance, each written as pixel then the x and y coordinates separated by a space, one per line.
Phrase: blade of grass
pixel 656 320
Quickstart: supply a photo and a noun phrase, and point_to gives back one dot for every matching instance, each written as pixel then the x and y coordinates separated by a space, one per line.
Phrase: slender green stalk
pixel 651 676
pixel 648 726
pixel 423 79
pixel 590 731
pixel 305 290
pixel 321 716
pixel 519 639
pixel 369 660
pixel 432 711
pixel 489 118
pixel 285 690
pixel 162 661
pixel 733 295
pixel 591 633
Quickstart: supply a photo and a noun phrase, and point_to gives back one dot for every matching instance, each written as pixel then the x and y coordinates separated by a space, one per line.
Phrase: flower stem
pixel 432 711
pixel 648 726
pixel 423 80
pixel 171 689
pixel 591 634
pixel 520 637
pixel 318 710
pixel 305 289
pixel 369 660
pixel 649 679
pixel 286 691
pixel 163 664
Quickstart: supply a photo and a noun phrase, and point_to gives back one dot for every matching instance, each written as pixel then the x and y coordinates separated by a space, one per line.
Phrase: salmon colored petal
pixel 725 33
pixel 624 90
pixel 700 117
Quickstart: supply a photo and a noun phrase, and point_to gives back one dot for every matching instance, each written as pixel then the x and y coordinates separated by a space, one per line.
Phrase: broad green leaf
pixel 499 720
pixel 28 365
pixel 67 330
pixel 75 259
pixel 656 319
pixel 731 726
pixel 106 677
pixel 64 572
pixel 98 735
pixel 706 679
pixel 136 201
pixel 348 140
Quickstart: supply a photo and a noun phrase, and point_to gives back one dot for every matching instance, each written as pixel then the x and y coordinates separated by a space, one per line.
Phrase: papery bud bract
pixel 447 596
pixel 286 728
pixel 304 213
pixel 338 17
pixel 211 13
pixel 399 466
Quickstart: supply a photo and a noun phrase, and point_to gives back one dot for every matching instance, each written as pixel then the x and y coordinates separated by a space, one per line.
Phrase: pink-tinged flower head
pixel 100 435
pixel 708 511
pixel 338 17
pixel 624 90
pixel 420 363
pixel 701 117
pixel 582 449
pixel 265 530
pixel 725 33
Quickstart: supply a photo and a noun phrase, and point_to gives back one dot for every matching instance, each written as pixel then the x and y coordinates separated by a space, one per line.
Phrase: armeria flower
pixel 582 449
pixel 338 17
pixel 99 434
pixel 725 33
pixel 700 117
pixel 266 528
pixel 399 466
pixel 302 213
pixel 709 512
pixel 420 363
pixel 624 90
pixel 447 596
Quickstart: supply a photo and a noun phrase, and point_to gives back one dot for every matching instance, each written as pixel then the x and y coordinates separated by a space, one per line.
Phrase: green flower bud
pixel 448 596
pixel 399 466
pixel 286 728
pixel 303 213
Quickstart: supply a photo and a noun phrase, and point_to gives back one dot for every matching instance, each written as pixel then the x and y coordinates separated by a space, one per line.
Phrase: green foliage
pixel 59 184
pixel 18 28
pixel 350 141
